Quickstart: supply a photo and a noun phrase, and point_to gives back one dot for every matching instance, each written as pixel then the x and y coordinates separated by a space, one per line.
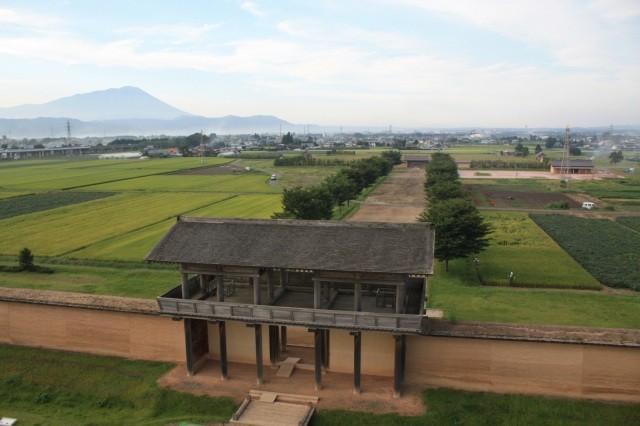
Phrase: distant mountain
pixel 125 111
pixel 110 104
pixel 184 125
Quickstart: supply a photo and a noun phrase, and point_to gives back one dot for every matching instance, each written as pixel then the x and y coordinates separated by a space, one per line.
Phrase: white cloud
pixel 25 19
pixel 175 33
pixel 252 8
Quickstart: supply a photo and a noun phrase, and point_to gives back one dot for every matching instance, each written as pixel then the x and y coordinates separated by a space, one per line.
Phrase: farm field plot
pixel 12 194
pixel 608 250
pixel 622 188
pixel 291 176
pixel 632 222
pixel 463 298
pixel 76 173
pixel 59 231
pixel 516 196
pixel 123 280
pixel 135 245
pixel 518 245
pixel 199 183
pixel 46 201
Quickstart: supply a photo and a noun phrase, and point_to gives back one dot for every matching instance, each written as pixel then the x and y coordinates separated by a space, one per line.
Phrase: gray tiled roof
pixel 322 245
pixel 573 163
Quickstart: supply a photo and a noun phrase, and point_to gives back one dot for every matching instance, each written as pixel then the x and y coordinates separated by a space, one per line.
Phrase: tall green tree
pixel 459 228
pixel 312 203
pixel 616 157
pixel 445 190
pixel 341 188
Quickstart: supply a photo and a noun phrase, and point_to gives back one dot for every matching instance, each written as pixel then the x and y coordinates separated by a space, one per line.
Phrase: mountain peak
pixel 126 102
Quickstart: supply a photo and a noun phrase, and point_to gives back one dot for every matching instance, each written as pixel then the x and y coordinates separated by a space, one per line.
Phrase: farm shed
pixel 576 167
pixel 417 161
pixel 336 280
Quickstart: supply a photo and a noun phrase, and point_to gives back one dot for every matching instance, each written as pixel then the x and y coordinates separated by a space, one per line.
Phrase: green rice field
pixel 518 245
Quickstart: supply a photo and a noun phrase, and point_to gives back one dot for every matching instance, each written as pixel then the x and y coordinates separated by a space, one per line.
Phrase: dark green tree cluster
pixel 522 150
pixel 460 230
pixel 26 263
pixel 616 157
pixel 304 161
pixel 317 202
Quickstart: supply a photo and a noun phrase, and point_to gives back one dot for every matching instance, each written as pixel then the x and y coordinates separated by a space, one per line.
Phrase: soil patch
pixel 336 393
pixel 483 196
pixel 400 198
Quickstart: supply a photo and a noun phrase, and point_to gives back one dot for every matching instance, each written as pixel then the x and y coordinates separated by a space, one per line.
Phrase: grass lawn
pixel 118 280
pixel 461 296
pixel 43 387
pixel 452 407
pixel 518 245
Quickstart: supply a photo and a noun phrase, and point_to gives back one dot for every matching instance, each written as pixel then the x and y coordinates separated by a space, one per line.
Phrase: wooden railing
pixel 207 309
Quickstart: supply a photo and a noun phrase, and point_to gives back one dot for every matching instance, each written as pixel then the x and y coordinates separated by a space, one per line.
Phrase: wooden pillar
pixel 274 344
pixel 398 365
pixel 222 331
pixel 357 360
pixel 188 342
pixel 203 283
pixel 325 349
pixel 257 299
pixel 259 368
pixel 283 338
pixel 357 297
pixel 185 285
pixel 400 299
pixel 270 288
pixel 283 278
pixel 318 358
pixel 220 287
pixel 316 294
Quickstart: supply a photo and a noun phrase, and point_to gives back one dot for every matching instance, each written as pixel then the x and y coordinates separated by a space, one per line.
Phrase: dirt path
pixel 400 198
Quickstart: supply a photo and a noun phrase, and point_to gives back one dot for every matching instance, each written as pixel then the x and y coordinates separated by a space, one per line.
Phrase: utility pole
pixel 565 165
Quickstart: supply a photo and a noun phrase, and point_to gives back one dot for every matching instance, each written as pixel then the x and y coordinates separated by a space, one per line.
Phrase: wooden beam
pixel 357 361
pixel 259 367
pixel 318 357
pixel 185 285
pixel 222 332
pixel 357 297
pixel 397 368
pixel 325 349
pixel 257 299
pixel 220 287
pixel 270 287
pixel 316 295
pixel 283 338
pixel 274 343
pixel 400 298
pixel 188 342
pixel 203 283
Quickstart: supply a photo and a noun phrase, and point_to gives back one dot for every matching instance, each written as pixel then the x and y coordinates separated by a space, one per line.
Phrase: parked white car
pixel 588 205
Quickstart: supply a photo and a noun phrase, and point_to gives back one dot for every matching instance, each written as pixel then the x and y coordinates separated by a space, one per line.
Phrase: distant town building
pixel 576 167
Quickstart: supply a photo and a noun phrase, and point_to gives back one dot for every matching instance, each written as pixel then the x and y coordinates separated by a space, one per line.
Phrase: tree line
pixel 459 228
pixel 317 202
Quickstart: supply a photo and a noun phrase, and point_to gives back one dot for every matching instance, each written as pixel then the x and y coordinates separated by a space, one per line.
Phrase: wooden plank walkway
pixel 268 408
pixel 286 368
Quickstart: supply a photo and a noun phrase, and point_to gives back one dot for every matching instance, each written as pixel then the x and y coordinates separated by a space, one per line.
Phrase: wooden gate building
pixel 321 275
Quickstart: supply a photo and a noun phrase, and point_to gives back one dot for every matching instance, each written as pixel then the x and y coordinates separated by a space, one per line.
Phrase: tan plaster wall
pixel 123 334
pixel 566 370
pixel 241 346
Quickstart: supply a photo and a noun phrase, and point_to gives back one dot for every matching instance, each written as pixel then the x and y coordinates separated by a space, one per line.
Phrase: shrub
pixel 557 205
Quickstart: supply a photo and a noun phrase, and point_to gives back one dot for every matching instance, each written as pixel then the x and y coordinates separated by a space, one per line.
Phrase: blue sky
pixel 406 63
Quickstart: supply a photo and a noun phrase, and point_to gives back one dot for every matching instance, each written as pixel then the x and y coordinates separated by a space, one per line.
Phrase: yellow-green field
pixel 134 246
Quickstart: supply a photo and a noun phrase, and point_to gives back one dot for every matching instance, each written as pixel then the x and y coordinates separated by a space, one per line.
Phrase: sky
pixel 405 63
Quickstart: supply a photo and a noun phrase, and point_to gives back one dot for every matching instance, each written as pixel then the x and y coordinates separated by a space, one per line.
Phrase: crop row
pixel 134 245
pixel 608 250
pixel 517 245
pixel 46 201
pixel 58 231
pixel 71 174
pixel 201 183
pixel 632 222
